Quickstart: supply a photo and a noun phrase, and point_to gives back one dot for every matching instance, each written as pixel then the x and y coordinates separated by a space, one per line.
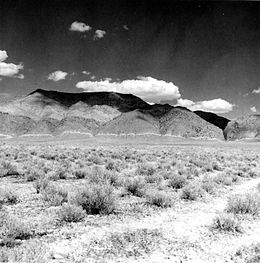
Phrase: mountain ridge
pixel 108 112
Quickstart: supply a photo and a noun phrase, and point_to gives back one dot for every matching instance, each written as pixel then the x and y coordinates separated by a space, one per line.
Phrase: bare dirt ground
pixel 186 232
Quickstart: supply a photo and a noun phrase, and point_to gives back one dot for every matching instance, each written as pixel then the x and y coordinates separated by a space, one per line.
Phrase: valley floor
pixel 171 203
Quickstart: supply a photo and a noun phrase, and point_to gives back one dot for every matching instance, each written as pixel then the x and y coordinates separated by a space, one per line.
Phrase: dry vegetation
pixel 125 204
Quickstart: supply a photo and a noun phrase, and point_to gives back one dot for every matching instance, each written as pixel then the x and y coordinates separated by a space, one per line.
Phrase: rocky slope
pixel 247 127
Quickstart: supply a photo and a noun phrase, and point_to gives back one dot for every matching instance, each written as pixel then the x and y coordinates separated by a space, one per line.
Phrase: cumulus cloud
pixel 147 88
pixel 20 76
pixel 9 69
pixel 257 91
pixel 3 55
pixel 215 105
pixel 253 109
pixel 86 72
pixel 57 75
pixel 99 34
pixel 79 27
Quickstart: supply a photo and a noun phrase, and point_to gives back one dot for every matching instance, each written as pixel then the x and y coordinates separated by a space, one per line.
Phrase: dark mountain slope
pixel 124 102
pixel 213 118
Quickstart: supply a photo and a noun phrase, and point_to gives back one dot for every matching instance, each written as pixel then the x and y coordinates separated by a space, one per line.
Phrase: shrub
pixel 62 173
pixel 191 191
pixel 244 204
pixel 55 195
pixel 30 252
pixel 12 228
pixel 53 175
pixel 41 184
pixel 96 199
pixel 250 254
pixel 227 223
pixel 145 169
pixel 223 179
pixel 209 186
pixel 216 166
pixel 8 169
pixel 33 175
pixel 135 186
pixel 95 159
pixel 8 196
pixel 155 178
pixel 82 173
pixel 112 166
pixel 71 213
pixel 159 198
pixel 97 175
pixel 177 181
pixel 130 243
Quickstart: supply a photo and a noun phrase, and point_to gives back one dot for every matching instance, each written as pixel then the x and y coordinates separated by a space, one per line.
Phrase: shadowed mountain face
pixel 124 102
pixel 247 127
pixel 52 112
pixel 213 118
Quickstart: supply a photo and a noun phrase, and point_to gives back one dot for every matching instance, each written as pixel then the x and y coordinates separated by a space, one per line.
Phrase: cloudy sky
pixel 195 54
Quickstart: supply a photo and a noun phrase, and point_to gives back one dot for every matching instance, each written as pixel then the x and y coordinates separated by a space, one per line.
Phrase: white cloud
pixel 3 55
pixel 20 76
pixel 93 77
pixel 57 75
pixel 257 91
pixel 185 103
pixel 253 109
pixel 79 26
pixel 8 69
pixel 86 72
pixel 99 34
pixel 215 105
pixel 147 88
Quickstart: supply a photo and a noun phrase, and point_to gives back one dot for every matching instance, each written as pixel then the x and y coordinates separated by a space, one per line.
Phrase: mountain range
pixel 102 113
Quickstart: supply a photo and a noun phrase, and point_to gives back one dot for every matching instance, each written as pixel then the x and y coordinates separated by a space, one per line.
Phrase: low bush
pixel 41 184
pixel 146 169
pixel 250 254
pixel 12 228
pixel 128 244
pixel 7 169
pixel 55 195
pixel 226 223
pixel 71 213
pixel 159 198
pixel 30 252
pixel 96 199
pixel 209 186
pixel 155 178
pixel 135 186
pixel 244 204
pixel 82 173
pixel 8 196
pixel 177 181
pixel 224 179
pixel 191 191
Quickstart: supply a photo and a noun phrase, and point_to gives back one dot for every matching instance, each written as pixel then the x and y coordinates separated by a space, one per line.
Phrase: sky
pixel 201 55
